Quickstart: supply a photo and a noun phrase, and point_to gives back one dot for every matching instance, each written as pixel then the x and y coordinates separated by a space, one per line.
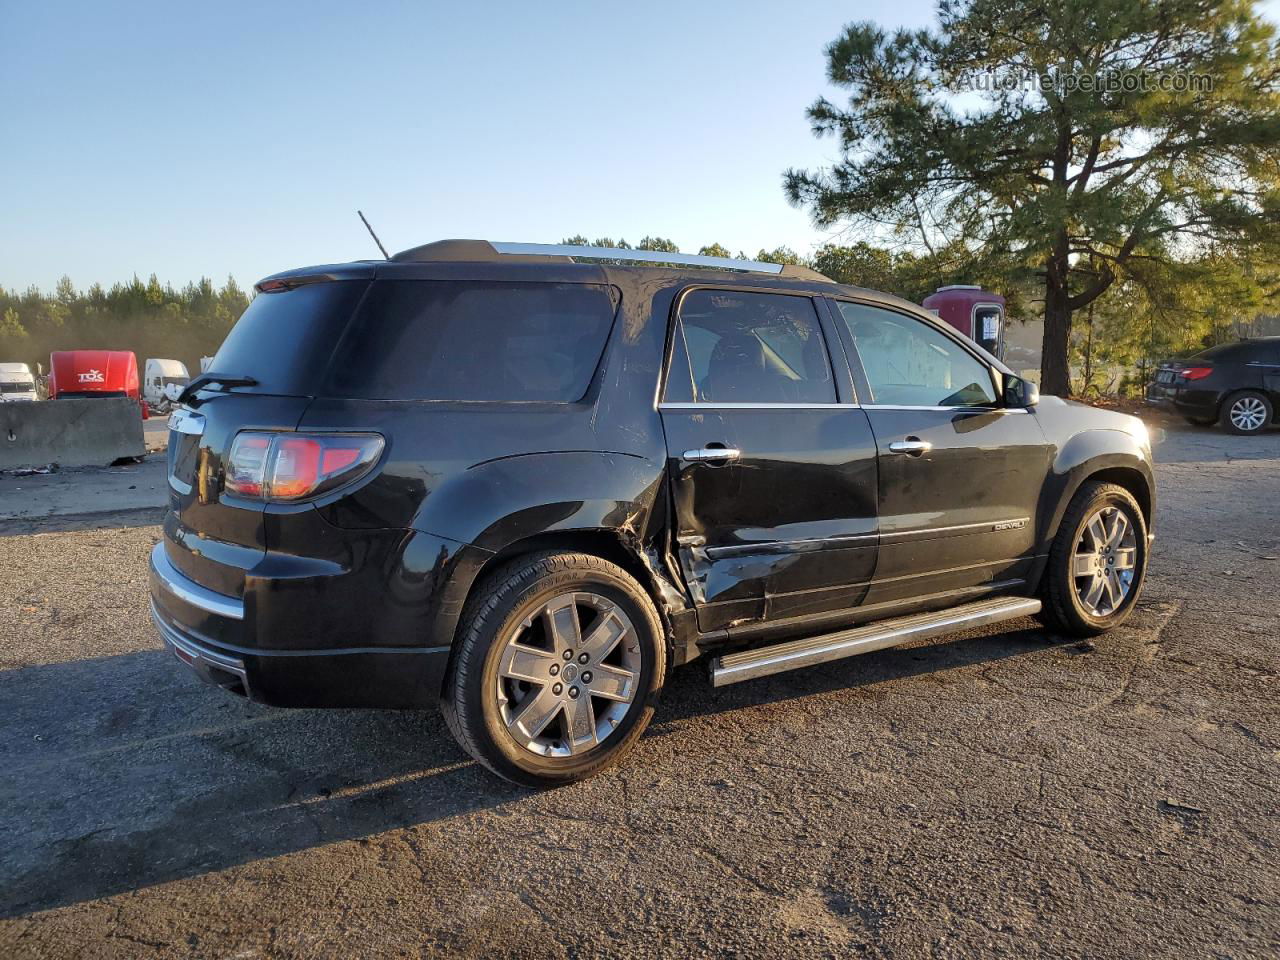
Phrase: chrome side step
pixel 763 661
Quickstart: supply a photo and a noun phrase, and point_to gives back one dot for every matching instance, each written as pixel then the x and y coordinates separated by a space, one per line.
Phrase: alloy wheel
pixel 1248 413
pixel 568 675
pixel 1105 561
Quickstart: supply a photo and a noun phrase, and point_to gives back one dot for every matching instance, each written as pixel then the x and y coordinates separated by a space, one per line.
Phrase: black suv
pixel 525 482
pixel 1234 384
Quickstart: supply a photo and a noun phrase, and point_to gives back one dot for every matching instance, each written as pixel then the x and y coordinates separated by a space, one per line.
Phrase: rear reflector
pixel 283 467
pixel 1195 373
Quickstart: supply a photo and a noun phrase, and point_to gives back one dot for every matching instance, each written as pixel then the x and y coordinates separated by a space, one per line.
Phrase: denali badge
pixel 1009 525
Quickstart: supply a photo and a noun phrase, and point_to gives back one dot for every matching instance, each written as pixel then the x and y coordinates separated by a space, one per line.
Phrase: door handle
pixel 712 453
pixel 912 446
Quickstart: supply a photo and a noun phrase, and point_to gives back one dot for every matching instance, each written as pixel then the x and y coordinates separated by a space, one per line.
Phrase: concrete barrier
pixel 71 433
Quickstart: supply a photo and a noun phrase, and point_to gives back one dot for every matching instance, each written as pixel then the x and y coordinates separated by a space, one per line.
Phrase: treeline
pixel 1159 310
pixel 151 319
pixel 1174 311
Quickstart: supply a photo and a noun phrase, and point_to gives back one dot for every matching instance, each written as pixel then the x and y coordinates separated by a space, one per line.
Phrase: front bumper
pixel 189 617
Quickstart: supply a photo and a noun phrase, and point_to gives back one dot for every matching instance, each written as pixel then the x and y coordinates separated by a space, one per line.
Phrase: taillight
pixel 1195 373
pixel 295 466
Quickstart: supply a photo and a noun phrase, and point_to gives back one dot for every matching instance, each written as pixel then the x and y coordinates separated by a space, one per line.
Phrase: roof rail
pixel 534 252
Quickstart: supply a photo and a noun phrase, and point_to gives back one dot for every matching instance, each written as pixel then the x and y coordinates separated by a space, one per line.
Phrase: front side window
pixel 908 363
pixel 737 347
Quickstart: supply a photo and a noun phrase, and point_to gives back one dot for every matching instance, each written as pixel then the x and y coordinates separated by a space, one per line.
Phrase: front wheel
pixel 559 659
pixel 1097 562
pixel 1246 412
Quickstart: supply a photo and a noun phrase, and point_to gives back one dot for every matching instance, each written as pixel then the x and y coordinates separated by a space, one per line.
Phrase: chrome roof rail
pixel 501 250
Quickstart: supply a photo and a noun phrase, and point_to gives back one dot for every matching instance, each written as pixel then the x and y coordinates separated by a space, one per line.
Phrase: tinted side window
pixel 737 347
pixel 469 341
pixel 909 363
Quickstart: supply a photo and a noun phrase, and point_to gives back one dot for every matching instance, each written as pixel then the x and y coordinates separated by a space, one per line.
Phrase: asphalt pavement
pixel 1002 792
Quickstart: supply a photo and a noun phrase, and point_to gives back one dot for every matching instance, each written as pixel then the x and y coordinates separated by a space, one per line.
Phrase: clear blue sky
pixel 240 138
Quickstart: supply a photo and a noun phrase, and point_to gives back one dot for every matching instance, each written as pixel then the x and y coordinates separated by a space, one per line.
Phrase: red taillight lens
pixel 1195 373
pixel 295 466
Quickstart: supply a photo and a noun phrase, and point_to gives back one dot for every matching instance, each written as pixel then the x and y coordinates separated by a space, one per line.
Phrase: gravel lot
pixel 1002 792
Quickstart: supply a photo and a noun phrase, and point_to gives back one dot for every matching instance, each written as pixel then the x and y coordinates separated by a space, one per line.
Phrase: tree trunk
pixel 1055 369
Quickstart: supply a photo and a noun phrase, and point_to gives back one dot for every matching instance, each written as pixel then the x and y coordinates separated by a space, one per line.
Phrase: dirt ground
pixel 998 793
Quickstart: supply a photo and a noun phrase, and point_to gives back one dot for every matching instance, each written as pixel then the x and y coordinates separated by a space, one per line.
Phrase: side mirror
pixel 1020 393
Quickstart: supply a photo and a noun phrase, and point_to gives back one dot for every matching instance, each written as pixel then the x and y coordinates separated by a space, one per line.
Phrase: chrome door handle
pixel 712 453
pixel 913 448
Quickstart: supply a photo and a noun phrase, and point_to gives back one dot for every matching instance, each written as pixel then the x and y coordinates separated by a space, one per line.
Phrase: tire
pixel 1246 413
pixel 1065 594
pixel 521 621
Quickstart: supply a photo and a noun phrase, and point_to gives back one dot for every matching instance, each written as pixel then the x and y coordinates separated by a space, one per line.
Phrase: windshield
pixel 17 387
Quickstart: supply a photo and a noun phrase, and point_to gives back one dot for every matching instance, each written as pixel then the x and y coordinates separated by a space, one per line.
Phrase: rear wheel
pixel 559 660
pixel 1097 562
pixel 1246 412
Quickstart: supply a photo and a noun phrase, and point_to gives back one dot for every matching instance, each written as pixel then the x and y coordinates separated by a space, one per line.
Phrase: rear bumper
pixel 188 617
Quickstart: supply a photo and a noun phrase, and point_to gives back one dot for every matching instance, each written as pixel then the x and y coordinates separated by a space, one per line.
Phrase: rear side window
pixel 468 341
pixel 283 340
pixel 737 347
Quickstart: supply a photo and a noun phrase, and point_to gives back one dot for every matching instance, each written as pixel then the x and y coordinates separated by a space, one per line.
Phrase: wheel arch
pixel 618 547
pixel 1109 456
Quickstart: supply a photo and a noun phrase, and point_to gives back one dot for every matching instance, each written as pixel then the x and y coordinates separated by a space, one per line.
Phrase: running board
pixel 763 661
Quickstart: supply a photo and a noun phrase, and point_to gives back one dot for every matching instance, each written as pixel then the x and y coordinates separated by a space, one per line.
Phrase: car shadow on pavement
pixel 124 772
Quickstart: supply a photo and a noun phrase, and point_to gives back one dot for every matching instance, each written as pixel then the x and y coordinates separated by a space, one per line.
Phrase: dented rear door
pixel 772 466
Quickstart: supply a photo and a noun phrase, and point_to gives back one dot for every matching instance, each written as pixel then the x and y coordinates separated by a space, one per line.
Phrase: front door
pixel 960 472
pixel 772 466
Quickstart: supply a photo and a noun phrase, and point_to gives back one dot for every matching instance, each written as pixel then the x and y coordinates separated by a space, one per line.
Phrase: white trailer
pixel 163 380
pixel 16 383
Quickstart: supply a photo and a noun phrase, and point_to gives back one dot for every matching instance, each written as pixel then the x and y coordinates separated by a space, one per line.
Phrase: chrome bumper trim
pixel 215 668
pixel 191 592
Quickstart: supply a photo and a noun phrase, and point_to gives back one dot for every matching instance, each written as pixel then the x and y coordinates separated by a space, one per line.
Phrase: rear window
pixel 469 341
pixel 283 340
pixel 1224 351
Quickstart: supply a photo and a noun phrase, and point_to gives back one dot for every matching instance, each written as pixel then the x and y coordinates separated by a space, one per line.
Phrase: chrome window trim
pixel 710 405
pixel 899 406
pixel 191 592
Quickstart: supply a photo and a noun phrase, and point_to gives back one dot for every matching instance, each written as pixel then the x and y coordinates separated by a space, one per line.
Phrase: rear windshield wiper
pixel 226 379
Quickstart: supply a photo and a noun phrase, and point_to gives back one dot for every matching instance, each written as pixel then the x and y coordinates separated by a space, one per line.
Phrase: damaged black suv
pixel 525 482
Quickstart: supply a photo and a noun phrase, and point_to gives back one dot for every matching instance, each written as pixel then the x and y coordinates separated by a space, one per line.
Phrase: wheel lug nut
pixel 586 676
pixel 573 693
pixel 557 689
pixel 568 654
pixel 555 668
pixel 583 658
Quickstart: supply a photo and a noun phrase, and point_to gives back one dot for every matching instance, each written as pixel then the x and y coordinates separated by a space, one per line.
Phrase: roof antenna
pixel 374 235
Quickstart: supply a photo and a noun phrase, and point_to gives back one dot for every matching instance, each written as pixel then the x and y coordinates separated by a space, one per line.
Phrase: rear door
pixel 772 463
pixel 283 342
pixel 960 473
